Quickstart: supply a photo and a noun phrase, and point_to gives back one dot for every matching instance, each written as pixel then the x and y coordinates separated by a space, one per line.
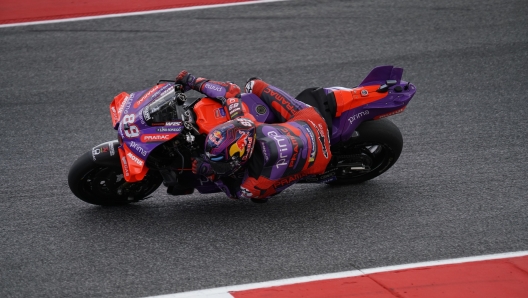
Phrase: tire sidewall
pixel 376 132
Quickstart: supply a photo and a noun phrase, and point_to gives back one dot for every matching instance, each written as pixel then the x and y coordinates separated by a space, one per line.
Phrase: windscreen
pixel 161 109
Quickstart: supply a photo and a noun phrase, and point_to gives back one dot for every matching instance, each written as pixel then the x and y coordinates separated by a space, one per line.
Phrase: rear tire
pixel 377 147
pixel 98 185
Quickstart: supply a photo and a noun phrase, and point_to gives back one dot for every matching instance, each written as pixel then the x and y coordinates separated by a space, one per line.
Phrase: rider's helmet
pixel 229 145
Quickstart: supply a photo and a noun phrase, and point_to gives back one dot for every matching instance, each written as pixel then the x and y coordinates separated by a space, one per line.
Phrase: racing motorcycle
pixel 159 130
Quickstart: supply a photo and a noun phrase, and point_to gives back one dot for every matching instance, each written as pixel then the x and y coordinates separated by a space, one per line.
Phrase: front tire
pixel 376 148
pixel 106 186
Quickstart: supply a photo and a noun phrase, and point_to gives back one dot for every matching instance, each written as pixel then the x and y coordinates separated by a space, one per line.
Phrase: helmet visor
pixel 222 166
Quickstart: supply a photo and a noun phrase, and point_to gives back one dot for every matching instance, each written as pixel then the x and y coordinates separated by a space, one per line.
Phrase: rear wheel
pixel 106 186
pixel 373 151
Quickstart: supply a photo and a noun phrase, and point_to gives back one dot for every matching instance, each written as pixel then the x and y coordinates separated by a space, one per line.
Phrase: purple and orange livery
pixel 138 134
pixel 382 93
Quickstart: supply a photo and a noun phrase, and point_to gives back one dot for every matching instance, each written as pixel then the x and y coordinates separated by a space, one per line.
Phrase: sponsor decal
pixel 94 153
pixel 281 99
pixel 357 116
pixel 321 138
pixel 328 178
pixel 135 159
pixel 220 113
pixel 264 150
pixel 241 144
pixel 164 92
pixel 125 105
pixel 391 113
pixel 323 178
pixel 233 106
pixel 111 146
pixel 213 87
pixel 236 113
pixel 120 132
pixel 295 147
pixel 174 123
pixel 216 137
pixel 288 180
pixel 97 151
pixel 157 137
pixel 223 84
pixel 313 152
pixel 125 166
pixel 138 148
pixel 114 113
pixel 250 146
pixel 282 145
pixel 147 95
pixel 146 115
pixel 169 129
pixel 295 152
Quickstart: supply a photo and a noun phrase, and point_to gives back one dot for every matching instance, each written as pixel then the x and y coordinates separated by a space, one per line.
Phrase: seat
pixel 323 103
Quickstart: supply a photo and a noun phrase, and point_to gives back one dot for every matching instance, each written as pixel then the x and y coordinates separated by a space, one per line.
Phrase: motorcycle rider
pixel 248 159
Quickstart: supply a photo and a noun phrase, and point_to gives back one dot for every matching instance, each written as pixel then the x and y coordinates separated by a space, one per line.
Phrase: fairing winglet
pixel 381 74
pixel 116 107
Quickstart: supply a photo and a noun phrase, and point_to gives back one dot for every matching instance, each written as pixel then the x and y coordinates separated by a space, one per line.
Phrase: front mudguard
pixel 106 154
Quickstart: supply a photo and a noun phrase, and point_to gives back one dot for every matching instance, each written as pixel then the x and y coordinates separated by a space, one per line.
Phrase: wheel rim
pixel 107 183
pixel 103 182
pixel 366 159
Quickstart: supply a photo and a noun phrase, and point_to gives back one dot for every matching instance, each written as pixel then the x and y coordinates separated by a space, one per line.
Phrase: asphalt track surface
pixel 459 189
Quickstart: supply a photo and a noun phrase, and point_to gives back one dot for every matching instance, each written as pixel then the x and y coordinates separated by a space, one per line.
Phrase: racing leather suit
pixel 284 152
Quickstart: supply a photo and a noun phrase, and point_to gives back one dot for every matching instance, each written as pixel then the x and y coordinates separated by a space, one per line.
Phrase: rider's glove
pixel 183 79
pixel 188 81
pixel 201 167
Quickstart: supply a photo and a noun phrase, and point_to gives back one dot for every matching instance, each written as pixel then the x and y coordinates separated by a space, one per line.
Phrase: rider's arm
pixel 226 92
pixel 282 105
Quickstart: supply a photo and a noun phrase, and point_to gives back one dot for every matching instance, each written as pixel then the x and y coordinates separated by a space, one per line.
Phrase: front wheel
pixel 106 186
pixel 373 151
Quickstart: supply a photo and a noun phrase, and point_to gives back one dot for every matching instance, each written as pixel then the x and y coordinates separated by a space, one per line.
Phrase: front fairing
pixel 138 134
